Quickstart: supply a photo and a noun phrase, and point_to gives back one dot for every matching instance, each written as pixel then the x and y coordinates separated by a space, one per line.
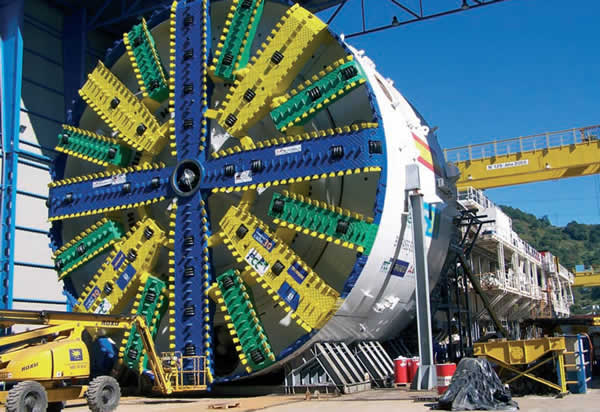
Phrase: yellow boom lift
pixel 42 368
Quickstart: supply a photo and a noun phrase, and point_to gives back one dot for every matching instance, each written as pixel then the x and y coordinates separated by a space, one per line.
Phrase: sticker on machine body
pixel 126 277
pixel 91 298
pixel 113 180
pixel 265 240
pixel 103 308
pixel 244 176
pixel 289 295
pixel 258 263
pixel 75 355
pixel 297 272
pixel 118 260
pixel 400 268
pixel 288 150
pixel 432 220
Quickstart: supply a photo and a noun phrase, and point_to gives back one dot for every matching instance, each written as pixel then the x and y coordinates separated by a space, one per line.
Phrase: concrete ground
pixel 371 401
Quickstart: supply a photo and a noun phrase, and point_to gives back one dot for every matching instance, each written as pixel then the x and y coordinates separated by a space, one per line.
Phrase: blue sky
pixel 512 69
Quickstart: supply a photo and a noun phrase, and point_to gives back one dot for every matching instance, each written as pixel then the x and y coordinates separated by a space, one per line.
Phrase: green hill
pixel 574 244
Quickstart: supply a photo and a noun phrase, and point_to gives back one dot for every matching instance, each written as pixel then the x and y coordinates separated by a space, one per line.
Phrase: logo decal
pixel 288 150
pixel 31 366
pixel 91 298
pixel 400 267
pixel 103 308
pixel 432 220
pixel 118 260
pixel 126 277
pixel 75 355
pixel 297 272
pixel 244 176
pixel 288 294
pixel 265 241
pixel 257 262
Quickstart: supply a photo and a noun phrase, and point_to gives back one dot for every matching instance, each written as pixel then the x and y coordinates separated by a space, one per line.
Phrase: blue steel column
pixel 11 49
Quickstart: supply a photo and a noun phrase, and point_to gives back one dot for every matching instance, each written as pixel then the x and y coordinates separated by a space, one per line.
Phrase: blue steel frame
pixel 12 18
pixel 11 45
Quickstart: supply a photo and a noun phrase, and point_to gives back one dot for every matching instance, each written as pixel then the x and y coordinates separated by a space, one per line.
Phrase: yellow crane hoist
pixel 44 367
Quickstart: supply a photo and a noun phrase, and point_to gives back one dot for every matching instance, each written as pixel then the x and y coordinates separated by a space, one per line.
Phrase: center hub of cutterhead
pixel 185 179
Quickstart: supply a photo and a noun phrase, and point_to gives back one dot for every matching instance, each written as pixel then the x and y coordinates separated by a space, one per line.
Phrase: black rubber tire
pixel 56 406
pixel 103 394
pixel 27 396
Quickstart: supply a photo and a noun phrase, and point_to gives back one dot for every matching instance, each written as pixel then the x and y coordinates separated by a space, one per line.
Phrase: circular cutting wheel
pixel 226 181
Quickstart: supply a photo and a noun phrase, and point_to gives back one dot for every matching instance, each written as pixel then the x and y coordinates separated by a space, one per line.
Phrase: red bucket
pixel 444 375
pixel 400 370
pixel 413 366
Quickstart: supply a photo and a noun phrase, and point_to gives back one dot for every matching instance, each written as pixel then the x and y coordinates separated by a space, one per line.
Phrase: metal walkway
pixel 546 156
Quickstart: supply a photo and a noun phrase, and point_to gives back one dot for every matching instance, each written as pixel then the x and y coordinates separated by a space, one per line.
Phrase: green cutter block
pixel 151 307
pixel 323 221
pixel 308 101
pixel 92 147
pixel 235 52
pixel 89 246
pixel 149 66
pixel 245 321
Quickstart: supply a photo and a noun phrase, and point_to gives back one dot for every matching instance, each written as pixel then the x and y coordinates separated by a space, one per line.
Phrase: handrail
pixel 523 144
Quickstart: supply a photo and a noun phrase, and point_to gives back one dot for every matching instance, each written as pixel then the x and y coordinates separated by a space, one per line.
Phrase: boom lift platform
pixel 44 367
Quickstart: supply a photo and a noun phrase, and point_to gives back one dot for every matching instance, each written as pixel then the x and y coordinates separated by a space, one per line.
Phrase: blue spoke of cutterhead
pixel 193 276
pixel 190 88
pixel 191 265
pixel 336 155
pixel 107 192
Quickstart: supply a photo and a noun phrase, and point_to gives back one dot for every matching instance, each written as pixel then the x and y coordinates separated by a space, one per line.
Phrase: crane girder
pixel 587 278
pixel 549 156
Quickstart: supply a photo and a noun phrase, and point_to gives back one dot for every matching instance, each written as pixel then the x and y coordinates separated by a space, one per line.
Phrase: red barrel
pixel 400 370
pixel 444 375
pixel 413 366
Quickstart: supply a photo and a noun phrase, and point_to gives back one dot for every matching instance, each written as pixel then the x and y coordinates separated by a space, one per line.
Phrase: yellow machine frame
pixel 510 354
pixel 168 367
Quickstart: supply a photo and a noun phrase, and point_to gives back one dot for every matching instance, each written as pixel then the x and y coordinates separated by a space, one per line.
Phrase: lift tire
pixel 27 396
pixel 103 394
pixel 56 406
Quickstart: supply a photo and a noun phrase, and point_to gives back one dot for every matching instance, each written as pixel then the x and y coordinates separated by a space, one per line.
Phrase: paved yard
pixel 371 401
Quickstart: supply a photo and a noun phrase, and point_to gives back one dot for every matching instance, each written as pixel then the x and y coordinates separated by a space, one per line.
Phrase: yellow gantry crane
pixel 587 277
pixel 546 156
